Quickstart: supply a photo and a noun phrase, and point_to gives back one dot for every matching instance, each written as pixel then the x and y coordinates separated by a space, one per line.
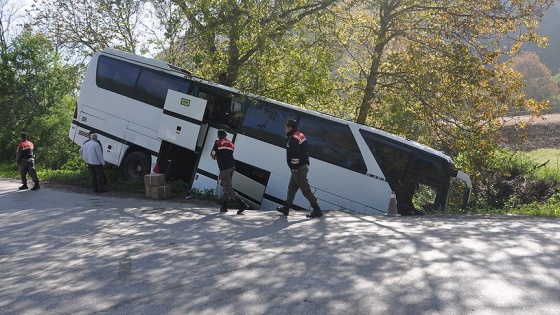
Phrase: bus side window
pixel 236 113
pixel 391 158
pixel 222 110
pixel 116 76
pixel 332 142
pixel 266 122
pixel 209 111
pixel 153 87
pixel 148 90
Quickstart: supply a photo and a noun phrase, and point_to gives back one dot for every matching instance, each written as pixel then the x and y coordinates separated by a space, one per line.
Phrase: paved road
pixel 63 252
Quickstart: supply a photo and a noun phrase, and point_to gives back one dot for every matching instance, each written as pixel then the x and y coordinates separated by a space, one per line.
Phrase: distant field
pixel 541 145
pixel 540 133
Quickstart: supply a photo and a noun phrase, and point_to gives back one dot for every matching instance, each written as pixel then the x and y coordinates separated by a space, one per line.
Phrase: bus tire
pixel 136 165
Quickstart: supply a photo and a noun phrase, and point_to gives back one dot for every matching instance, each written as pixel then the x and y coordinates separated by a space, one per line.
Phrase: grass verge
pixel 80 178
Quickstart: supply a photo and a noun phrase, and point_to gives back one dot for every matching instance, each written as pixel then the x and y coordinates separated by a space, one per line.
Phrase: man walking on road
pixel 298 162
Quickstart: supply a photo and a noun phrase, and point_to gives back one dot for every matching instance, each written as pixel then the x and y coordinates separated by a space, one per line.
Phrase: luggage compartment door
pixel 181 119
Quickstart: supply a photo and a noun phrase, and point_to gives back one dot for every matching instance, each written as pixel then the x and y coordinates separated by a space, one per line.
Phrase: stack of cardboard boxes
pixel 155 186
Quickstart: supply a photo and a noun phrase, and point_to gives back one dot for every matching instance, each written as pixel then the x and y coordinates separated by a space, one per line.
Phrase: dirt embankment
pixel 540 133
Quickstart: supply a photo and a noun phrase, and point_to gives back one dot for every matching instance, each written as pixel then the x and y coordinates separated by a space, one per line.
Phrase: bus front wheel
pixel 136 165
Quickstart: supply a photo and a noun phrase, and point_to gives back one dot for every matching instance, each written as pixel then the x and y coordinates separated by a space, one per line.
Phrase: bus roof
pixel 147 61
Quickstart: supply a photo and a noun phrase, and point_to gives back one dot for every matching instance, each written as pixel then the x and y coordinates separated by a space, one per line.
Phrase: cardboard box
pixel 160 192
pixel 153 180
pixel 147 187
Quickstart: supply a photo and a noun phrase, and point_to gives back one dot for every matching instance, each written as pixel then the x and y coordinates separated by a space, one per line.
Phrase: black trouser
pixel 28 166
pixel 97 178
pixel 299 180
pixel 225 177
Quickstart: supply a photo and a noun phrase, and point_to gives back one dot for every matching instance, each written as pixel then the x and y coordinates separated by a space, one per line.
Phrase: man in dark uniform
pixel 25 159
pixel 223 153
pixel 298 162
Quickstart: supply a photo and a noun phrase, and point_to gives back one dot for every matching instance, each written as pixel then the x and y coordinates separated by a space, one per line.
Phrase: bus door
pixel 179 129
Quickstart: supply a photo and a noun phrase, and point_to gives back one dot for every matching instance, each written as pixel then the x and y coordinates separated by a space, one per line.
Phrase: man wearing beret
pixel 298 162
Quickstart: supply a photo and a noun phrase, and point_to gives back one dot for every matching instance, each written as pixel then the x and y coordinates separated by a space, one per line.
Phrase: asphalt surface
pixel 65 252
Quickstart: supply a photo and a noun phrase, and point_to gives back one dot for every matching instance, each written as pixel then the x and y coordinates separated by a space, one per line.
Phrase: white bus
pixel 150 115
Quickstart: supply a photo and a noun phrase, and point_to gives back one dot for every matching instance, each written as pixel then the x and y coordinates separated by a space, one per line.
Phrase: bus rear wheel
pixel 136 165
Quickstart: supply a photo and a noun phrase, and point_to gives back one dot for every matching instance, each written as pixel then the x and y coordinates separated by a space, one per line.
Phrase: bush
pixel 513 183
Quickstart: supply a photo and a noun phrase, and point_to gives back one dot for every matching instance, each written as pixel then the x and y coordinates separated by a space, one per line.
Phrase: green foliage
pixel 77 178
pixel 115 181
pixel 74 161
pixel 268 48
pixel 206 194
pixel 547 163
pixel 442 85
pixel 36 96
pixel 424 195
pixel 519 184
pixel 9 170
pixel 54 147
pixel 181 189
pixel 512 184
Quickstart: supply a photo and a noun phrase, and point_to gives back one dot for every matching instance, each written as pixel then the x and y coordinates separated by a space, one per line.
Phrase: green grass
pixel 80 178
pixel 548 162
pixel 547 166
pixel 9 170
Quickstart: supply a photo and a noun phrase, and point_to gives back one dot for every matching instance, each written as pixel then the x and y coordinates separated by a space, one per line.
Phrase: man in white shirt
pixel 93 156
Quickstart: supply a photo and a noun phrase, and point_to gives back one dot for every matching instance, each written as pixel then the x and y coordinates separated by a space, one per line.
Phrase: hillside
pixel 549 26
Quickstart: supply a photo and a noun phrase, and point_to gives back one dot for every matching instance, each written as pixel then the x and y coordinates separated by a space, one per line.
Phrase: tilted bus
pixel 152 115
